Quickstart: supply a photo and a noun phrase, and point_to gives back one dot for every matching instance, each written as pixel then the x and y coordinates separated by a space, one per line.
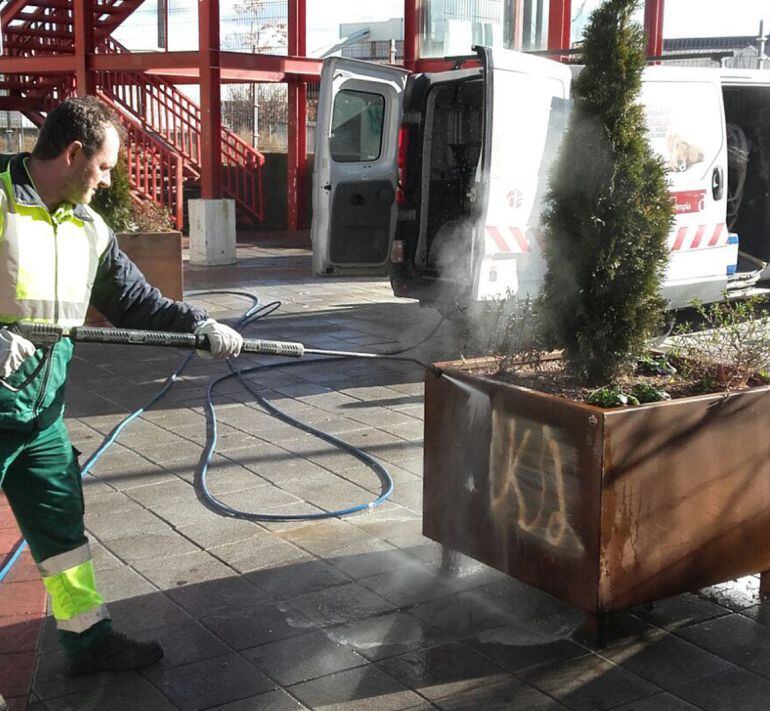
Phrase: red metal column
pixel 411 33
pixel 297 148
pixel 211 112
pixel 653 27
pixel 559 24
pixel 84 46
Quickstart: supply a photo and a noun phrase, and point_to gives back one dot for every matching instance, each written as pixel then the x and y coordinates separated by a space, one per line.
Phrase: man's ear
pixel 72 150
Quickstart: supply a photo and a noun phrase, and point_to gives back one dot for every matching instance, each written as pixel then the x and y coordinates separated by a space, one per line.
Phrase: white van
pixel 437 178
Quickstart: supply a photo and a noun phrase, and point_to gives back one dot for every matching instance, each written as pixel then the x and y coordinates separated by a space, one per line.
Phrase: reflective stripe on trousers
pixel 69 579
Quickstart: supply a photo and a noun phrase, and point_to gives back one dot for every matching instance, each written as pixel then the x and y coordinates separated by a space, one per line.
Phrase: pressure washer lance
pixel 46 335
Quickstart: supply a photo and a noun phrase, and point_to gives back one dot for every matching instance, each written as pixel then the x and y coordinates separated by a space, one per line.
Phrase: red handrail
pixel 167 124
pixel 177 119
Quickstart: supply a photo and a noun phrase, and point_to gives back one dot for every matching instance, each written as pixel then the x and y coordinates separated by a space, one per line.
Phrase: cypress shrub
pixel 607 211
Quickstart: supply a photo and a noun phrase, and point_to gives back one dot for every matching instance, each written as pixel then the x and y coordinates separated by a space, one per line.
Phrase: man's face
pixel 88 173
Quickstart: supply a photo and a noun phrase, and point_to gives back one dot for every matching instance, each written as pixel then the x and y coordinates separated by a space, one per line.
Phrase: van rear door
pixel 527 101
pixel 685 119
pixel 355 174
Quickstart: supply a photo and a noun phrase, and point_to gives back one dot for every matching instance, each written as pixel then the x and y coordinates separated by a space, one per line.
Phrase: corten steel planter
pixel 158 256
pixel 603 508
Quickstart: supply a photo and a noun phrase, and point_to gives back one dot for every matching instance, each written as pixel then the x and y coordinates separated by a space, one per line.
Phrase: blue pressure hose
pixel 254 313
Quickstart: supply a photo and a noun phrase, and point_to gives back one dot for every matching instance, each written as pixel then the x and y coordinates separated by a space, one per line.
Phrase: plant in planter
pixel 604 507
pixel 608 211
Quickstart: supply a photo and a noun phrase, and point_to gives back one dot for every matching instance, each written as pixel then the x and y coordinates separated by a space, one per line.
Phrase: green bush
pixel 122 212
pixel 115 203
pixel 608 211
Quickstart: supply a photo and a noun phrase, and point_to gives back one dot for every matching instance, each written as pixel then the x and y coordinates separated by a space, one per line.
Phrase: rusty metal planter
pixel 603 508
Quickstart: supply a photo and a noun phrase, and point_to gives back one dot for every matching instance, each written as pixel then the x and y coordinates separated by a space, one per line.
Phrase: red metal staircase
pixel 163 125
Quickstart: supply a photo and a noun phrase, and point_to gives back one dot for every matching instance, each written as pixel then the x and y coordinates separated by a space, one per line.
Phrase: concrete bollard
pixel 212 232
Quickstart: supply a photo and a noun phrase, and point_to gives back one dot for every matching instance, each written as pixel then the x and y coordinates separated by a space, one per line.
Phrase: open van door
pixel 527 99
pixel 355 175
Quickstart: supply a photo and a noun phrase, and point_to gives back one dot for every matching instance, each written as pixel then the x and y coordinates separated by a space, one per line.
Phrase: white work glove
pixel 14 350
pixel 225 341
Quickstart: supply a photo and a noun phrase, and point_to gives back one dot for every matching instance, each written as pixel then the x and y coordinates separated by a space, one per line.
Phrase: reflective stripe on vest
pixel 69 580
pixel 47 262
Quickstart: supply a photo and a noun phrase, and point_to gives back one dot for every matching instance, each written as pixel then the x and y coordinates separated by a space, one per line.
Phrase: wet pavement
pixel 343 614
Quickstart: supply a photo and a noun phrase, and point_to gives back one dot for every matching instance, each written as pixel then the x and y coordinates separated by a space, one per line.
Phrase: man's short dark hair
pixel 83 119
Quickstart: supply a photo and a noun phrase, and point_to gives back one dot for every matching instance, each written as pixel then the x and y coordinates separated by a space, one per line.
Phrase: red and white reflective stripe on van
pixel 518 240
pixel 514 240
pixel 699 236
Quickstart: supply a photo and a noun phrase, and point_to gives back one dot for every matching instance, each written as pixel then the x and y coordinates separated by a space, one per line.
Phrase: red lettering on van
pixel 689 201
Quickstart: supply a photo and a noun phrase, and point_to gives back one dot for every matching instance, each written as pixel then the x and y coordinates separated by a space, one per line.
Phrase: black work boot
pixel 114 652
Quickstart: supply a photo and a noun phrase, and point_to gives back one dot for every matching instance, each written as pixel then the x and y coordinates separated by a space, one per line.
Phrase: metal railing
pixel 168 113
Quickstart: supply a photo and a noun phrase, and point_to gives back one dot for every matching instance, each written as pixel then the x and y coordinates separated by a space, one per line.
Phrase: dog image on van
pixel 682 154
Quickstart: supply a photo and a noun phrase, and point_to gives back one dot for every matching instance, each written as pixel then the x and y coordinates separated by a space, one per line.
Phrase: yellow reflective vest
pixel 52 265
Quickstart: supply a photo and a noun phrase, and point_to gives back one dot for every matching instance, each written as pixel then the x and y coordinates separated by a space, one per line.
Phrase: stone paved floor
pixel 343 614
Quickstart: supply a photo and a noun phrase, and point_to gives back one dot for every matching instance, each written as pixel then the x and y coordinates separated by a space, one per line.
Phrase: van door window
pixel 357 123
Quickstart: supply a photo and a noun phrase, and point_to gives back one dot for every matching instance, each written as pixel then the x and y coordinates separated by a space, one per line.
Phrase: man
pixel 57 256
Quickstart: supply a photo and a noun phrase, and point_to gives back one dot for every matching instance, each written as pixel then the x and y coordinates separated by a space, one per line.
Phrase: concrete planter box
pixel 603 508
pixel 159 257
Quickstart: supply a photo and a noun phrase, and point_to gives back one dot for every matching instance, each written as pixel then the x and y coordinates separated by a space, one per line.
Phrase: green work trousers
pixel 40 475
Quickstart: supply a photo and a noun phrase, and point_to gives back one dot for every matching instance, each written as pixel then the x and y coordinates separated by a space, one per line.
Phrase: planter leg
pixel 764 585
pixel 593 631
pixel 451 561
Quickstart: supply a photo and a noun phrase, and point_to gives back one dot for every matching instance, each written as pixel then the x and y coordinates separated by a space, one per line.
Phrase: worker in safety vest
pixel 57 256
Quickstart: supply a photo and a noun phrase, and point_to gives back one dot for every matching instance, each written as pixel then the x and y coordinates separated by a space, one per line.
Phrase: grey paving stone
pixel 302 658
pixel 184 569
pixel 218 595
pixel 124 695
pixel 149 545
pixel 219 532
pixel 209 682
pixel 277 700
pixel 525 644
pixel 103 559
pixel 361 689
pixel 170 491
pixel 732 637
pixel 260 552
pixel 409 494
pixel 122 583
pixel 185 643
pixel 367 478
pixel 667 661
pixel 758 613
pixel 443 671
pixel 503 695
pixel 108 501
pixel 680 611
pixel 411 584
pixel 298 578
pixel 464 614
pixel 588 683
pixel 523 601
pixel 341 604
pixel 729 691
pixel 261 624
pixel 659 702
pixel 134 615
pixel 388 635
pixel 108 526
pixel 259 498
pixel 734 594
pixel 363 559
